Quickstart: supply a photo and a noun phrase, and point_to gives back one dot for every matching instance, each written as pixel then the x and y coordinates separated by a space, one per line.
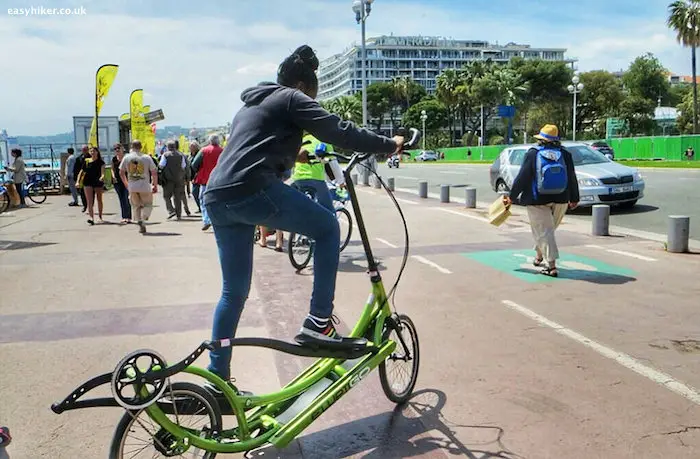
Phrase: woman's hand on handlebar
pixel 399 140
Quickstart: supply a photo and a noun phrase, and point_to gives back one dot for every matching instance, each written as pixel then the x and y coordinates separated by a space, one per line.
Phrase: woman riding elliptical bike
pixel 246 189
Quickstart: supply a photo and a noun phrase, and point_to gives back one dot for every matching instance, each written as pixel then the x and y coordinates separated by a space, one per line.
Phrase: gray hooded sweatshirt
pixel 266 136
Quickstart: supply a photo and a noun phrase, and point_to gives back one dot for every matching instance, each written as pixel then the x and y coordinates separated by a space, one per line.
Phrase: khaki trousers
pixel 141 205
pixel 544 220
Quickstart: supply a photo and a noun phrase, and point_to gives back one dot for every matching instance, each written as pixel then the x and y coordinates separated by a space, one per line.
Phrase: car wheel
pixel 628 204
pixel 501 186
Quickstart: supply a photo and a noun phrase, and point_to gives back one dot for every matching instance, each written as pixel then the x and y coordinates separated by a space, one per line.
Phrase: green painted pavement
pixel 518 263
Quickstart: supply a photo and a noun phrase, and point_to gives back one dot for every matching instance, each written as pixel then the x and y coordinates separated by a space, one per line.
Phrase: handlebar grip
pixel 414 134
pixel 56 408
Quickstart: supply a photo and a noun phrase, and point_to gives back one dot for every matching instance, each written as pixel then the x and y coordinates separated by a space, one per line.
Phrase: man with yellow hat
pixel 547 186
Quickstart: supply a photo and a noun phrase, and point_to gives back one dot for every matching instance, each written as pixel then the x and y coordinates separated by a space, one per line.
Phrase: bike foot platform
pixel 351 350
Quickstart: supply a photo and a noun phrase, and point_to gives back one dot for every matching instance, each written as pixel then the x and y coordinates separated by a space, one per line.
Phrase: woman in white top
pixel 19 170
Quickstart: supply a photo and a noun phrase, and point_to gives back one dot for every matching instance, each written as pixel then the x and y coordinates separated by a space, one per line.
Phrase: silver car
pixel 600 180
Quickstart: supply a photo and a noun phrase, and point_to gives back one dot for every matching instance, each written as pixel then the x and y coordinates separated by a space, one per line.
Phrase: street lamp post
pixel 575 89
pixel 423 117
pixel 362 9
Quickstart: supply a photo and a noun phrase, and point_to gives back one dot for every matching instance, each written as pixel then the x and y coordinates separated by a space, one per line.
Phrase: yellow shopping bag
pixel 498 212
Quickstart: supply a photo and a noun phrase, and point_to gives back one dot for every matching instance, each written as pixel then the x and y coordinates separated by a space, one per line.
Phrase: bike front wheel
pixel 345 223
pixel 4 202
pixel 399 372
pixel 188 405
pixel 37 193
pixel 300 250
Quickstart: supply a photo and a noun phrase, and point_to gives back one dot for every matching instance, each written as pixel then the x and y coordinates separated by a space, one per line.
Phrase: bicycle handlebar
pixel 357 157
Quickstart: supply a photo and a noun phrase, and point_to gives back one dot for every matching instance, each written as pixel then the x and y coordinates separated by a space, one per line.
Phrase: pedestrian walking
pixel 204 162
pixel 92 176
pixel 194 149
pixel 19 175
pixel 79 163
pixel 547 186
pixel 119 186
pixel 135 170
pixel 70 176
pixel 173 165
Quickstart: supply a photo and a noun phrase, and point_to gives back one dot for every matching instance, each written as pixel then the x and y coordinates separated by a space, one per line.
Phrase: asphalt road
pixel 668 192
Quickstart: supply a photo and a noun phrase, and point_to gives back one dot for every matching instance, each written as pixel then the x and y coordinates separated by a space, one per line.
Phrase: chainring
pixel 129 389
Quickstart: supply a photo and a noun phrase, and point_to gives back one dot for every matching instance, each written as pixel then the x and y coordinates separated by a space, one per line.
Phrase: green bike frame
pixel 257 413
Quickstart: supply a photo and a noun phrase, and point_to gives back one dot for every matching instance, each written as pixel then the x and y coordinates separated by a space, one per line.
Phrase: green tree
pixel 435 111
pixel 379 99
pixel 684 123
pixel 684 19
pixel 346 107
pixel 646 78
pixel 546 80
pixel 601 98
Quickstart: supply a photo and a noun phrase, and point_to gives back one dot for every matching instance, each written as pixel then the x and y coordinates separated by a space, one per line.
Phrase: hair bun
pixel 305 55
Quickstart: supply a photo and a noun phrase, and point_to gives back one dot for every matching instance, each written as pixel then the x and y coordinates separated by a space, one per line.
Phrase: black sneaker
pixel 318 332
pixel 5 437
pixel 142 228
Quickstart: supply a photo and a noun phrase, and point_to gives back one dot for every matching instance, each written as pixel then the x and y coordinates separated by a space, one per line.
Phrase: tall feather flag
pixel 149 136
pixel 103 81
pixel 184 144
pixel 138 123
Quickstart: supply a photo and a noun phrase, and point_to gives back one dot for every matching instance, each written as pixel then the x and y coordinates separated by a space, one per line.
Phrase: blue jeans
pixel 323 194
pixel 205 214
pixel 123 194
pixel 278 206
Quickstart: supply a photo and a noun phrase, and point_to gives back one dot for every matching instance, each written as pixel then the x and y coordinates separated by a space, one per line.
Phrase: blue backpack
pixel 550 172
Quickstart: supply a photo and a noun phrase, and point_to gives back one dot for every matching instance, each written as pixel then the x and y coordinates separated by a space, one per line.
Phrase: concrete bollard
pixel 470 197
pixel 678 234
pixel 423 189
pixel 377 182
pixel 601 220
pixel 365 178
pixel 445 193
pixel 354 179
pixel 390 183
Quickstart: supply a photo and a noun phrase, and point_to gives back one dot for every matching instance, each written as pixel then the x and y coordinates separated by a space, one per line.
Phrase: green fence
pixel 650 148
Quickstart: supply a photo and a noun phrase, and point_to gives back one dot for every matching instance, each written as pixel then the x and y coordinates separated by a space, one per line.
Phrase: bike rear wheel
pixel 345 223
pixel 403 362
pixel 138 436
pixel 301 249
pixel 37 193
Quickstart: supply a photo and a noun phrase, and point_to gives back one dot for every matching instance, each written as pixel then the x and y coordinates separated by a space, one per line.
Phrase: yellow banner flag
pixel 149 137
pixel 184 144
pixel 104 78
pixel 138 123
pixel 125 116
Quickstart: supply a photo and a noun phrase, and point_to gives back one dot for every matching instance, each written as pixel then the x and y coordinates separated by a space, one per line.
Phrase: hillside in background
pixel 67 137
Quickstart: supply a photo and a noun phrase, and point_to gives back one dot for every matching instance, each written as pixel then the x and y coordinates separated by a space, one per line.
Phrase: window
pixel 516 157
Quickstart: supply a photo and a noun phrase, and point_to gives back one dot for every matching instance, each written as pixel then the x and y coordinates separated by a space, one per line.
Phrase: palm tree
pixel 447 84
pixel 346 107
pixel 684 19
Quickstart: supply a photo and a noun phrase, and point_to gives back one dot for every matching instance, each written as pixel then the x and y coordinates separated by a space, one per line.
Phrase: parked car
pixel 604 148
pixel 600 180
pixel 427 156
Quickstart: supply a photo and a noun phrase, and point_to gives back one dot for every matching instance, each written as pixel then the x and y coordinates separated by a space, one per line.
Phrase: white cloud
pixel 195 68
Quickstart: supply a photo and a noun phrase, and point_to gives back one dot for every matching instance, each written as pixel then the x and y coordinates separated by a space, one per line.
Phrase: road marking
pixel 452 172
pixel 622 252
pixel 425 261
pixel 387 243
pixel 408 177
pixel 365 191
pixel 623 359
pixel 406 201
pixel 462 214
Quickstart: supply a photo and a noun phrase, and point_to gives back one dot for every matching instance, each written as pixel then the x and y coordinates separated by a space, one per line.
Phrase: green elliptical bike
pixel 162 410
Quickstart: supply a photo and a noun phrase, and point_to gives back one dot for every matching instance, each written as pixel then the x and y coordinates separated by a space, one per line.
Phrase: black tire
pixel 343 214
pixel 182 389
pixel 300 259
pixel 37 193
pixel 408 331
pixel 4 202
pixel 501 186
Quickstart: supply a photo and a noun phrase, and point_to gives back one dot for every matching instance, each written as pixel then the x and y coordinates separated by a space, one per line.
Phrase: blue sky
pixel 193 59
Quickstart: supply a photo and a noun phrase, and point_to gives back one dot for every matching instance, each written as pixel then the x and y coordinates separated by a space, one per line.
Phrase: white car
pixel 600 180
pixel 427 156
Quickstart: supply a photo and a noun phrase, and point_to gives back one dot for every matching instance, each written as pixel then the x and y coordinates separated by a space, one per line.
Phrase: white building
pixel 421 58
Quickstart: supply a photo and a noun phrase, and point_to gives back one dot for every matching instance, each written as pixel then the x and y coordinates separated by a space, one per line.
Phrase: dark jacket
pixel 266 136
pixel 524 182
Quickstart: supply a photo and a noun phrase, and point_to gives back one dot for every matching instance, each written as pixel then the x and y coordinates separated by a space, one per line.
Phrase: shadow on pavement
pixel 617 210
pixel 162 233
pixel 356 264
pixel 594 277
pixel 18 245
pixel 415 430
